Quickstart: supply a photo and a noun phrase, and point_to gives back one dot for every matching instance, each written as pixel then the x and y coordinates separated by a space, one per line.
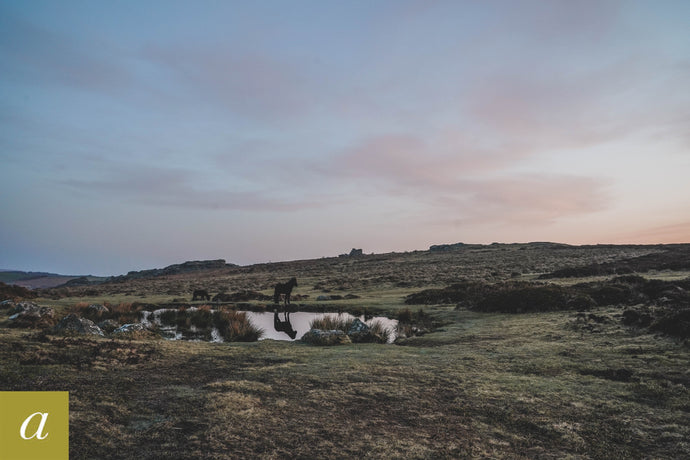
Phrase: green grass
pixel 555 384
pixel 493 385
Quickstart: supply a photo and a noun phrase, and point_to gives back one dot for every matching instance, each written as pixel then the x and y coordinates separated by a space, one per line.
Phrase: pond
pixel 299 323
pixel 274 326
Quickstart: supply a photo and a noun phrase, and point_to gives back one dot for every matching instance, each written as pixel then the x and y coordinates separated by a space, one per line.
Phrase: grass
pixel 500 386
pixel 332 323
pixel 554 384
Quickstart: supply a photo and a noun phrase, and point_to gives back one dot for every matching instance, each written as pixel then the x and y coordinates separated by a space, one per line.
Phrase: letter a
pixel 39 431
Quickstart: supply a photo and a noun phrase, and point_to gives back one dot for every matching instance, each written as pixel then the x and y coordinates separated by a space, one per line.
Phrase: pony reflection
pixel 284 325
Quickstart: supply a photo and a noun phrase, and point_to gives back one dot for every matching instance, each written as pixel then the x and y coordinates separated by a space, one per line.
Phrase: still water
pixel 299 322
pixel 281 327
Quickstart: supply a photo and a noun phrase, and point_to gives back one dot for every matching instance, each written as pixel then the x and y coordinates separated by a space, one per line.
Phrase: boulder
pixel 109 325
pixel 325 338
pixel 359 332
pixel 358 327
pixel 31 315
pixel 323 298
pixel 73 324
pixel 97 309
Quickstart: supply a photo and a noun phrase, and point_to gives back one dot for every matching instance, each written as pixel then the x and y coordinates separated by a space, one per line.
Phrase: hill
pixel 368 274
pixel 33 280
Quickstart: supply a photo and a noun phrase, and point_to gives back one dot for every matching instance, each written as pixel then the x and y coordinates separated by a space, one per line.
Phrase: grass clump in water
pixel 332 323
pixel 234 326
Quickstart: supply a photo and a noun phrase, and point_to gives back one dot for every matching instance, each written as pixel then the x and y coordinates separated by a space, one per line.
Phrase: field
pixel 558 379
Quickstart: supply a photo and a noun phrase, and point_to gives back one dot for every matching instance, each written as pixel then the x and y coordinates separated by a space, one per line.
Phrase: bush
pixel 525 299
pixel 465 291
pixel 674 323
pixel 12 292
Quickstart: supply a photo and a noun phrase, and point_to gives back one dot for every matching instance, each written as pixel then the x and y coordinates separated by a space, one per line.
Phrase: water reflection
pixel 297 323
pixel 285 325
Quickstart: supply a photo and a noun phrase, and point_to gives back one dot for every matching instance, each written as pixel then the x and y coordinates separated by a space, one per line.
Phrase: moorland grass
pixel 492 385
pixel 554 384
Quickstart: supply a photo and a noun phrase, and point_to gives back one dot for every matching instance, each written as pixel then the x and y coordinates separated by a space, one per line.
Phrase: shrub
pixel 465 291
pixel 675 323
pixel 525 299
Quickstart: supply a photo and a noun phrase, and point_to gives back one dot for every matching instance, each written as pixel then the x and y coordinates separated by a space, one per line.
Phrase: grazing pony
pixel 201 294
pixel 286 289
pixel 284 326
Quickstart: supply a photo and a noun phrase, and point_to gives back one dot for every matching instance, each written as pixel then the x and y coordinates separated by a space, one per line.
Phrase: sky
pixel 136 135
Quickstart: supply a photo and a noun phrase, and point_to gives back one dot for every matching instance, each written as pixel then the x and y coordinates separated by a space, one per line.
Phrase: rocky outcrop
pixel 353 253
pixel 75 325
pixel 186 267
pixel 446 247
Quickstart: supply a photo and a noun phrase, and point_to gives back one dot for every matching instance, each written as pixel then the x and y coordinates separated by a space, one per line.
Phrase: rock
pixel 128 328
pixel 358 327
pixel 323 298
pixel 134 331
pixel 30 315
pixel 109 325
pixel 355 252
pixel 5 304
pixel 98 309
pixel 359 332
pixel 325 338
pixel 73 324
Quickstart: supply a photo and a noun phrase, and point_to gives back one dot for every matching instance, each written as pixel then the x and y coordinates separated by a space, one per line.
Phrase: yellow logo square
pixel 34 425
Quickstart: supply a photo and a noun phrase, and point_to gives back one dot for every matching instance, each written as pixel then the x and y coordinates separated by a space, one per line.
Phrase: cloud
pixel 535 198
pixel 413 162
pixel 468 182
pixel 178 188
pixel 252 85
pixel 38 55
pixel 664 234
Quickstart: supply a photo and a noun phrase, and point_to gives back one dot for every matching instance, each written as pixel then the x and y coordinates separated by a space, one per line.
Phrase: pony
pixel 201 294
pixel 284 288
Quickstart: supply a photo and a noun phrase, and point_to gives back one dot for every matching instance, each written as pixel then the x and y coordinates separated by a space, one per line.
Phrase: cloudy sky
pixel 140 134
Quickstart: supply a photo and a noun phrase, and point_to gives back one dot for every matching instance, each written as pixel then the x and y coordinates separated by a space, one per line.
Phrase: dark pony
pixel 201 294
pixel 284 289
